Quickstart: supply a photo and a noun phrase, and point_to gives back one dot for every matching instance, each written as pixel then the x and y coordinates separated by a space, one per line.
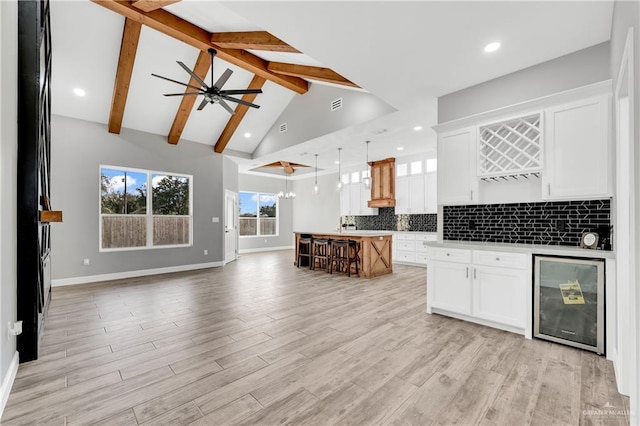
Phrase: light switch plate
pixel 215 219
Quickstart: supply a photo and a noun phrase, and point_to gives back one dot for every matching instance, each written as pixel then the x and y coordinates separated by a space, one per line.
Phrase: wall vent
pixel 283 127
pixel 336 104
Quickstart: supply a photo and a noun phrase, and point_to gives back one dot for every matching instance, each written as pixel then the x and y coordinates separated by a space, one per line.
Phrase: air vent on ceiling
pixel 336 104
pixel 283 127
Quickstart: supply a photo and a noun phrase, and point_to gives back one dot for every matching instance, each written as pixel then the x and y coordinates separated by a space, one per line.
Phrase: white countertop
pixel 349 233
pixel 523 248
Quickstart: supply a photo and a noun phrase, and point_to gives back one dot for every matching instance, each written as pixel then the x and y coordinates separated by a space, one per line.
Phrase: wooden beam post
pixel 128 48
pixel 256 40
pixel 149 5
pixel 232 125
pixel 203 63
pixel 313 73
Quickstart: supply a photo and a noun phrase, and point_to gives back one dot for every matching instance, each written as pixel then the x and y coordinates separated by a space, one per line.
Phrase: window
pixel 131 218
pixel 401 169
pixel 345 178
pixel 432 165
pixel 416 167
pixel 355 177
pixel 258 214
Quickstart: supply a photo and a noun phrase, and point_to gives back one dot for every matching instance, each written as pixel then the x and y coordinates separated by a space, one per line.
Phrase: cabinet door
pixel 449 286
pixel 416 194
pixel 577 150
pixel 402 195
pixel 457 181
pixel 499 295
pixel 430 193
pixel 354 199
pixel 345 200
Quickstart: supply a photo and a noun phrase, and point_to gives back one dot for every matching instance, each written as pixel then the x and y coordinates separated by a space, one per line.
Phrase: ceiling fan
pixel 213 94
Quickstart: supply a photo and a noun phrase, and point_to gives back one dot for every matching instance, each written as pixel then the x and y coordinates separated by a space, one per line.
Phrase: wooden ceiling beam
pixel 203 63
pixel 287 167
pixel 241 110
pixel 313 73
pixel 256 40
pixel 149 5
pixel 178 28
pixel 128 48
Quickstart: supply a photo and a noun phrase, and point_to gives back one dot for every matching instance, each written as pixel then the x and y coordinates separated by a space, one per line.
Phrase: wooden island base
pixel 375 250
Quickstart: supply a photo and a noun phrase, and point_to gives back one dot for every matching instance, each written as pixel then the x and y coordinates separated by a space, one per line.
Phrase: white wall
pixel 625 15
pixel 78 149
pixel 8 179
pixel 317 213
pixel 577 69
pixel 284 239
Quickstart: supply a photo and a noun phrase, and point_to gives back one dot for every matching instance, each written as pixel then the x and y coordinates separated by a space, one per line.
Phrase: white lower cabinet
pixel 487 287
pixel 410 247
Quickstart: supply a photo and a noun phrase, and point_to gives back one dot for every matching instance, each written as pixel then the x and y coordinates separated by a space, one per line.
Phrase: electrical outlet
pixel 206 252
pixel 86 262
pixel 215 219
pixel 561 225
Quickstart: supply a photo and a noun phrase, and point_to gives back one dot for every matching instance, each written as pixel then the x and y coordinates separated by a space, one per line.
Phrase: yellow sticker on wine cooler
pixel 572 293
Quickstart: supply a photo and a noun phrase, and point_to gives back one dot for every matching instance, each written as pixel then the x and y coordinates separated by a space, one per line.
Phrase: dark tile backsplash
pixel 387 220
pixel 550 223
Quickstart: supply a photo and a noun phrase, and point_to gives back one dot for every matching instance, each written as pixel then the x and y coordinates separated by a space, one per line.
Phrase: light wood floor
pixel 259 342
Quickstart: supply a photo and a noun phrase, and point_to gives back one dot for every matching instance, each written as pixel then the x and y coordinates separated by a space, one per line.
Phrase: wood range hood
pixel 383 193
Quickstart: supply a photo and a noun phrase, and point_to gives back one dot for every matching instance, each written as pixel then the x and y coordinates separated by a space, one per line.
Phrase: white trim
pixel 7 383
pixel 590 90
pixel 132 274
pixel 258 250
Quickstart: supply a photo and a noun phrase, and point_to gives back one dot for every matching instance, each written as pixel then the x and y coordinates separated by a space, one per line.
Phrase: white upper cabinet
pixel 354 196
pixel 431 193
pixel 577 150
pixel 457 180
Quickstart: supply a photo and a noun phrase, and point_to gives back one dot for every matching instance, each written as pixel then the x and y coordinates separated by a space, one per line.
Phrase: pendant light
pixel 339 186
pixel 367 179
pixel 286 194
pixel 315 185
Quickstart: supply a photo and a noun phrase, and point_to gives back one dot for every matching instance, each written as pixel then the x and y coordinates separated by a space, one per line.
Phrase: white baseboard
pixel 132 274
pixel 258 250
pixel 7 383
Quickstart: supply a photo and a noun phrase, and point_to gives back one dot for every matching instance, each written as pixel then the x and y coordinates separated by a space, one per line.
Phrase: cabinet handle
pixel 474 273
pixel 467 272
pixel 448 254
pixel 548 189
pixel 471 194
pixel 497 258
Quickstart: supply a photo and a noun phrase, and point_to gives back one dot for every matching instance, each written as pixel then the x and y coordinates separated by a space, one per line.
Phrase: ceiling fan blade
pixel 226 106
pixel 223 79
pixel 193 75
pixel 241 92
pixel 184 94
pixel 240 101
pixel 203 104
pixel 176 81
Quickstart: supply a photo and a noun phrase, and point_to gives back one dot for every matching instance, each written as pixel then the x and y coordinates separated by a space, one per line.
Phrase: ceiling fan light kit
pixel 213 94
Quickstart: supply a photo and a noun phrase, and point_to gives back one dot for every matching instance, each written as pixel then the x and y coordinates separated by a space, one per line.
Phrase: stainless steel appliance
pixel 568 302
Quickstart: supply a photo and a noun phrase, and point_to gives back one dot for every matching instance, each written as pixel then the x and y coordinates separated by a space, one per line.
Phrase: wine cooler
pixel 568 302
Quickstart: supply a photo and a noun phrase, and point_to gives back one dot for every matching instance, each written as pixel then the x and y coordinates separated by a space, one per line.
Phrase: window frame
pixel 277 217
pixel 149 210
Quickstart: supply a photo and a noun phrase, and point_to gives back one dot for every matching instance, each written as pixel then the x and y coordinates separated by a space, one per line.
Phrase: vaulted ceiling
pixel 403 54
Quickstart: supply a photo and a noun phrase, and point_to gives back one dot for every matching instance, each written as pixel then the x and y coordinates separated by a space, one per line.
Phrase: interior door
pixel 230 226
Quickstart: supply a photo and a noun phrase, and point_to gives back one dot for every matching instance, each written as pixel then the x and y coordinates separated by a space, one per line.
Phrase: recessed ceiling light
pixel 400 148
pixel 79 92
pixel 416 128
pixel 247 135
pixel 492 47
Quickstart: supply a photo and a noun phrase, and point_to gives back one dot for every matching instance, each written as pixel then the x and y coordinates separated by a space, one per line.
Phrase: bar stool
pixel 304 249
pixel 320 253
pixel 343 254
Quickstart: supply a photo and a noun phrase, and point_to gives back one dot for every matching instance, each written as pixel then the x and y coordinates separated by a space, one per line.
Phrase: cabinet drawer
pixel 406 245
pixel 405 256
pixel 498 258
pixel 405 236
pixel 449 255
pixel 426 237
pixel 421 246
pixel 422 258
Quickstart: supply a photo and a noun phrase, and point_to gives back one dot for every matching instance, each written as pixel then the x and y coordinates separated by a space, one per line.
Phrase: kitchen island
pixel 374 253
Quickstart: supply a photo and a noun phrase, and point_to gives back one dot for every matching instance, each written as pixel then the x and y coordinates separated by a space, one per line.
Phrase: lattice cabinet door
pixel 510 148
